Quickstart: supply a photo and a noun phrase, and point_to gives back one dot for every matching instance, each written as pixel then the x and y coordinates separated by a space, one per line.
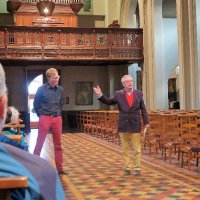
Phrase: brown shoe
pixel 127 172
pixel 137 172
pixel 62 172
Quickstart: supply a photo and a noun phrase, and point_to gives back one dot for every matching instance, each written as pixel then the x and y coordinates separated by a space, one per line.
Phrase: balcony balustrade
pixel 65 43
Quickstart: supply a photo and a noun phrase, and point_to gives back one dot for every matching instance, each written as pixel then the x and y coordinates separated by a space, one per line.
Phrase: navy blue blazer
pixel 129 117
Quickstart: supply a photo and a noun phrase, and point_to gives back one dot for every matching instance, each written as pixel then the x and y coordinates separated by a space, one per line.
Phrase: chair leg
pixel 165 153
pixel 197 163
pixel 189 159
pixel 170 155
pixel 181 152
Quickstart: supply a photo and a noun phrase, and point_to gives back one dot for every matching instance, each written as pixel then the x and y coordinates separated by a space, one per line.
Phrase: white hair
pixel 15 114
pixel 124 77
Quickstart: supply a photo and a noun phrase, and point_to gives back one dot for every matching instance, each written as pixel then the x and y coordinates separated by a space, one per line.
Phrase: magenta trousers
pixel 45 124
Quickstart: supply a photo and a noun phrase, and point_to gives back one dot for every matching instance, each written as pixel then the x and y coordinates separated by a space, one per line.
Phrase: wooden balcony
pixel 65 44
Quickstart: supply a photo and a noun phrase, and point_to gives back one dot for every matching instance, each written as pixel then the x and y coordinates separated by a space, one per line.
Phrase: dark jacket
pixel 129 117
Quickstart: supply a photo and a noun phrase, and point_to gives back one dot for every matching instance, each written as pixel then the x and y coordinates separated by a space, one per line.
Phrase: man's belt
pixel 55 115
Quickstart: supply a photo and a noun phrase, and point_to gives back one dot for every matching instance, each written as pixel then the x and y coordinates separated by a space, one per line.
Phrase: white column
pixel 198 43
pixel 187 45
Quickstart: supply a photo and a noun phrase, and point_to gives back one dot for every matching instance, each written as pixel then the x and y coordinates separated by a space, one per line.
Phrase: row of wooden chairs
pixel 102 124
pixel 9 183
pixel 173 133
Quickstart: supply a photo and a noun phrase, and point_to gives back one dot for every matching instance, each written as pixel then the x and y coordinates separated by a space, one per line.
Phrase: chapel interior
pixel 96 42
pixel 157 42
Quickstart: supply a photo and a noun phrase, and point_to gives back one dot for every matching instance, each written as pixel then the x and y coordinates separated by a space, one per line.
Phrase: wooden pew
pixel 7 183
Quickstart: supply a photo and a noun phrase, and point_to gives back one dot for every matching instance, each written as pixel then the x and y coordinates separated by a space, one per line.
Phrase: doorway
pixel 32 89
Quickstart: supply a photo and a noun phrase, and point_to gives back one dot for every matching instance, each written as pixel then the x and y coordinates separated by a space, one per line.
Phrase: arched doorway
pixel 32 89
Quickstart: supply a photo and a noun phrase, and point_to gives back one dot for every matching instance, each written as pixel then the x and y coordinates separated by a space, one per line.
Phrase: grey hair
pixel 3 89
pixel 15 114
pixel 126 76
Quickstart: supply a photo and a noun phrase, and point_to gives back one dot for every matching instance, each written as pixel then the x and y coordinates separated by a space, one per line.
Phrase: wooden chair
pixel 191 150
pixel 78 120
pixel 155 136
pixel 172 135
pixel 101 124
pixel 111 131
pixel 8 183
pixel 89 124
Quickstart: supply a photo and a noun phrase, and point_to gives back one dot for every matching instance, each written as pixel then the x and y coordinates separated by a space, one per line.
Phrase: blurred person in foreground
pixel 43 180
pixel 131 106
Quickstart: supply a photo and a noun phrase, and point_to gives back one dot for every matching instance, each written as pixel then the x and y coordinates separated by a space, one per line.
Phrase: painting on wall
pixel 87 8
pixel 84 93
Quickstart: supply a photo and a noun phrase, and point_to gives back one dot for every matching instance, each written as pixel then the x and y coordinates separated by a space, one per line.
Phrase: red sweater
pixel 130 98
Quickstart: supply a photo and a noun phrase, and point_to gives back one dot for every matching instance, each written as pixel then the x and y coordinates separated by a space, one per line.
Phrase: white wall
pixel 170 45
pixel 198 36
pixel 160 85
pixel 132 70
pixel 170 51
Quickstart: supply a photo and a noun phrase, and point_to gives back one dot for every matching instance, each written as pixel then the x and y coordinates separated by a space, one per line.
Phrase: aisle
pixel 95 172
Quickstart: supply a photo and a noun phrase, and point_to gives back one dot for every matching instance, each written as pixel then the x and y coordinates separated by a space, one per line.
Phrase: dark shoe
pixel 137 173
pixel 127 172
pixel 62 172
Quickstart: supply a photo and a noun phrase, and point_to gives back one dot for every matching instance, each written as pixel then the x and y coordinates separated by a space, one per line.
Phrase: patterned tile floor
pixel 95 172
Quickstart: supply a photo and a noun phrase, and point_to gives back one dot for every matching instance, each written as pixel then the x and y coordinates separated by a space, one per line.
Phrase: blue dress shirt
pixel 48 100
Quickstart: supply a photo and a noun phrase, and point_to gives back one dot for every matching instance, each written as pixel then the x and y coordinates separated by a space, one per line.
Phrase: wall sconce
pixel 76 6
pixel 45 7
pixel 13 5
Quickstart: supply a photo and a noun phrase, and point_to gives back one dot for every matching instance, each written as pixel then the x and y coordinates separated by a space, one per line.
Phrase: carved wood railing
pixel 53 43
pixel 55 1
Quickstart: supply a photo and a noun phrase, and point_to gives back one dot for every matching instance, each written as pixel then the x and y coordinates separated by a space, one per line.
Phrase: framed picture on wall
pixel 84 93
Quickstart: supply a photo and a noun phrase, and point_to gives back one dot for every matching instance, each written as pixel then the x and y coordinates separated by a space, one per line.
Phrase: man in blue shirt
pixel 43 180
pixel 47 104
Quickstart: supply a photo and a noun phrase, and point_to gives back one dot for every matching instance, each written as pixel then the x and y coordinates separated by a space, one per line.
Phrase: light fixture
pixel 45 7
pixel 13 5
pixel 76 6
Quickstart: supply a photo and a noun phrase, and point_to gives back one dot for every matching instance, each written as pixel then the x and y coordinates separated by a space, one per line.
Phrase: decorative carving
pixel 76 7
pixel 101 39
pixel 30 8
pixel 71 43
pixel 13 5
pixel 114 24
pixel 45 7
pixel 50 39
pixel 1 38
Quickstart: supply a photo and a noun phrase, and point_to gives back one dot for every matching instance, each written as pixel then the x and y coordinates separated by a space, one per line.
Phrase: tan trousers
pixel 131 141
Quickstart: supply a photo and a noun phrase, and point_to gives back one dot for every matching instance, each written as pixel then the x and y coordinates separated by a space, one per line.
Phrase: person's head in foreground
pixel 3 97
